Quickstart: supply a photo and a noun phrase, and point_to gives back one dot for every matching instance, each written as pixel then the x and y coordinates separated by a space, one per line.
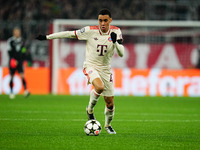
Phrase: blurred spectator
pixel 35 15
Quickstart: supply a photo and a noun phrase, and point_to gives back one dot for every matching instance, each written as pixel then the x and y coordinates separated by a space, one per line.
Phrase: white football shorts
pixel 104 75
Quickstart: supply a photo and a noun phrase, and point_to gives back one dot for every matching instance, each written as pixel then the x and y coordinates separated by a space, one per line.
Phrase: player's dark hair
pixel 105 11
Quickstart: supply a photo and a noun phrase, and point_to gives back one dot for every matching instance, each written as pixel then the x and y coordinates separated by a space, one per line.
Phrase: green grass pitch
pixel 45 122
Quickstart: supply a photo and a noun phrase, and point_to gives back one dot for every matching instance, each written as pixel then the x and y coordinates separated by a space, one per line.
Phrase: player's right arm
pixel 10 48
pixel 58 35
pixel 81 34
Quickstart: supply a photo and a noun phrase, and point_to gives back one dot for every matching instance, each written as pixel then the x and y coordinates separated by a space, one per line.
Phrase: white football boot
pixel 12 96
pixel 26 93
pixel 110 130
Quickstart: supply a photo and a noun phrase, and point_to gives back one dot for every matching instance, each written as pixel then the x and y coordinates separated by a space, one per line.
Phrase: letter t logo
pixel 102 50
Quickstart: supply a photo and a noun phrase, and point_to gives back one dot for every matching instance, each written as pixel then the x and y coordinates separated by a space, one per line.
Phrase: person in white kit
pixel 102 40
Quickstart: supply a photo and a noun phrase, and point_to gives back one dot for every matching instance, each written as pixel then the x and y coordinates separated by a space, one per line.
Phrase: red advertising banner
pixel 137 82
pixel 37 81
pixel 145 82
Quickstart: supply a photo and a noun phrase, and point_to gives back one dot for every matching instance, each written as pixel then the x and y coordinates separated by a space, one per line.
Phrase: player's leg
pixel 109 114
pixel 26 92
pixel 23 80
pixel 94 96
pixel 11 85
pixel 95 93
pixel 94 78
pixel 21 73
pixel 108 94
pixel 11 72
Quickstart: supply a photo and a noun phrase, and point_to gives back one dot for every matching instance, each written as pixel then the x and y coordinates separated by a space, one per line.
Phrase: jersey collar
pixel 102 33
pixel 17 39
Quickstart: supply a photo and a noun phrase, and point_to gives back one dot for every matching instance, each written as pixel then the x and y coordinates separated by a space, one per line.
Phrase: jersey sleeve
pixel 119 34
pixel 83 34
pixel 10 48
pixel 9 44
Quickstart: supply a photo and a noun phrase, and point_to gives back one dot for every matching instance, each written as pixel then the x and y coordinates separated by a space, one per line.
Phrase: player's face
pixel 17 33
pixel 104 22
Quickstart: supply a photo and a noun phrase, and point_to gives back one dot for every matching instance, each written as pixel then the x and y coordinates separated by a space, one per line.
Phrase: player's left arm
pixel 118 44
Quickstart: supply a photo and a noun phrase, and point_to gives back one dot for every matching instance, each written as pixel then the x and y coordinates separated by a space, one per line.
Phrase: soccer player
pixel 16 52
pixel 102 40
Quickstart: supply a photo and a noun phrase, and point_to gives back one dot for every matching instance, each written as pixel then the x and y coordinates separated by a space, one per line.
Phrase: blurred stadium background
pixel 161 39
pixel 160 66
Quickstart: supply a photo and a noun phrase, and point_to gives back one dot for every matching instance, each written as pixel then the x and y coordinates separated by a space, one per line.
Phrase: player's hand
pixel 41 37
pixel 113 37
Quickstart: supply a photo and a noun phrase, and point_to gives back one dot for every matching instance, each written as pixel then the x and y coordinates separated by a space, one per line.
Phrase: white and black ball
pixel 92 127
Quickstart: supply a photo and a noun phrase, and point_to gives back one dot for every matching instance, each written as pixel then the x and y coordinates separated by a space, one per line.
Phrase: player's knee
pixel 110 105
pixel 11 76
pixel 99 88
pixel 22 75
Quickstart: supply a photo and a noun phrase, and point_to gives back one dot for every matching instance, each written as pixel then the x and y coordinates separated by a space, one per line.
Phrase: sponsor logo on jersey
pixel 109 39
pixel 95 39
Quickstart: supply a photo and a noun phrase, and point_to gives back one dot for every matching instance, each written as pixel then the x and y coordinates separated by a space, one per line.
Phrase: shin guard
pixel 109 114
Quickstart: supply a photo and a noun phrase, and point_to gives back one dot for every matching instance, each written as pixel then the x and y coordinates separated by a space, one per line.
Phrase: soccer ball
pixel 92 127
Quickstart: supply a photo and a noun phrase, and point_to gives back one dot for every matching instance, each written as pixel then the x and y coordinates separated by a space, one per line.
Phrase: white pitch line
pixel 42 112
pixel 123 120
pixel 76 112
pixel 158 120
pixel 81 120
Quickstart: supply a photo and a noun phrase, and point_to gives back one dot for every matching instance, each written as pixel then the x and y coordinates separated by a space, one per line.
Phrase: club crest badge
pixel 90 71
pixel 109 39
